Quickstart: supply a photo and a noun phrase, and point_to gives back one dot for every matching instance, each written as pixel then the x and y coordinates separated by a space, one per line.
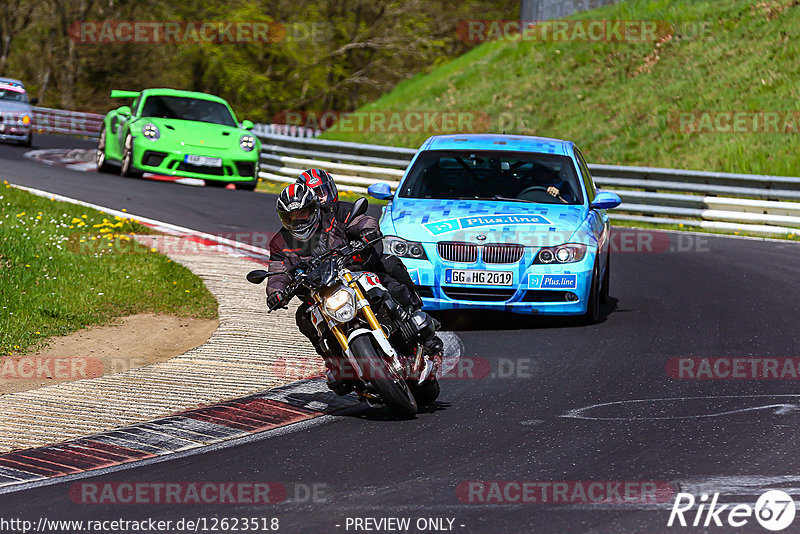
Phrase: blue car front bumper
pixel 536 289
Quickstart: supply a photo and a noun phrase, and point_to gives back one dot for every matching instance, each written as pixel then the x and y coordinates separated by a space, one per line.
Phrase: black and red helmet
pixel 322 184
pixel 298 209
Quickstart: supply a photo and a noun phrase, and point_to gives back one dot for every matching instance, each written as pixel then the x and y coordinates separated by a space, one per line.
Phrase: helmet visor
pixel 300 220
pixel 327 192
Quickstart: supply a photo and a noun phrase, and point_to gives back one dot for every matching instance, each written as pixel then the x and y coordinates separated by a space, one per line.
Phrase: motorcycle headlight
pixel 341 305
pixel 247 143
pixel 151 131
pixel 568 253
pixel 404 249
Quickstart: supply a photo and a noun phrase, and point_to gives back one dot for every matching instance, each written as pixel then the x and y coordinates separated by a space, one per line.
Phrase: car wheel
pixel 592 315
pixel 27 142
pixel 126 167
pixel 247 186
pixel 606 280
pixel 100 153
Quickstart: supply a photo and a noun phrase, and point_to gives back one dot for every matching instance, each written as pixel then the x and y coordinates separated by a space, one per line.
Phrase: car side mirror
pixel 359 207
pixel 248 125
pixel 125 111
pixel 381 191
pixel 257 276
pixel 606 200
pixel 34 101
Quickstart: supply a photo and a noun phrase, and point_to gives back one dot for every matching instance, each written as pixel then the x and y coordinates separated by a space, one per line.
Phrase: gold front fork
pixel 337 332
pixel 372 320
pixel 367 310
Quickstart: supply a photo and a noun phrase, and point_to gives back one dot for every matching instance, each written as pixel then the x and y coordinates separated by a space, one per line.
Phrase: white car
pixel 16 113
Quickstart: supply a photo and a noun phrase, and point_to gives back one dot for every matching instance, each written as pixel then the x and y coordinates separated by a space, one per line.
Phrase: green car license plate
pixel 204 161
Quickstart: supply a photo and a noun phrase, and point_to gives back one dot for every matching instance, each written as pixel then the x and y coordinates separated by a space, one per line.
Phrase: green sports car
pixel 179 133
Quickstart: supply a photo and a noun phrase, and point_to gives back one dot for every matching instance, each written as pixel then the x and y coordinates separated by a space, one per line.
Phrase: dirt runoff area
pixel 131 342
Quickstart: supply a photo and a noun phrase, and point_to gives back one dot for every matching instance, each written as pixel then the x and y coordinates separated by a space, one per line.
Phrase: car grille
pixel 458 252
pixel 478 294
pixel 151 158
pixel 503 253
pixel 201 169
pixel 550 296
pixel 468 253
pixel 246 168
pixel 425 292
pixel 11 118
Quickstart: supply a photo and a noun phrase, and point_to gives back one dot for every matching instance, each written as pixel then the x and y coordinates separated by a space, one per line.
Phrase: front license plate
pixel 479 278
pixel 205 161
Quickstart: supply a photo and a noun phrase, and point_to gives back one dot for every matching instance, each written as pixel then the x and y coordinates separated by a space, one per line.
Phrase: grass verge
pixel 63 267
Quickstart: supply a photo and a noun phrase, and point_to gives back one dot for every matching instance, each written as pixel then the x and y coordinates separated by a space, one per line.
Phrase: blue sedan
pixel 501 222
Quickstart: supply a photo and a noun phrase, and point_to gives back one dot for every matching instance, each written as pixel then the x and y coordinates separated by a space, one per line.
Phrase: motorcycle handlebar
pixel 312 263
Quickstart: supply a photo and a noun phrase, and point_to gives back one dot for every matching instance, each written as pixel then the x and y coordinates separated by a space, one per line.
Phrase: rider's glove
pixel 276 299
pixel 373 234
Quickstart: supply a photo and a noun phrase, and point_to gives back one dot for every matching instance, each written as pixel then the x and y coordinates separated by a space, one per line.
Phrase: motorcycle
pixel 379 344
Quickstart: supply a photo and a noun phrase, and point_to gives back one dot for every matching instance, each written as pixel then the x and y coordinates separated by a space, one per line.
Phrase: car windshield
pixel 188 109
pixel 493 175
pixel 13 92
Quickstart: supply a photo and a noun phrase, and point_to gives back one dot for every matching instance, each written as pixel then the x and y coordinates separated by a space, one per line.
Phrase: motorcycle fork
pixel 337 331
pixel 369 315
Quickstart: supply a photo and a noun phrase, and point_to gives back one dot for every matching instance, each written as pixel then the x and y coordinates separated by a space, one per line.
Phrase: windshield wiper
pixel 497 197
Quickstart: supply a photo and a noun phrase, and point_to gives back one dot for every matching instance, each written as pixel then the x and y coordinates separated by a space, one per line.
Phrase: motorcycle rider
pixel 309 231
pixel 398 282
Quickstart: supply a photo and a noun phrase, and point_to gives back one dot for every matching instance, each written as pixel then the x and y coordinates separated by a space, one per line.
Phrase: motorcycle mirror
pixel 257 276
pixel 360 207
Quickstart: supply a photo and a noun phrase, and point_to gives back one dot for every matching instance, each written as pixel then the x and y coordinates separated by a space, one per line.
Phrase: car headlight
pixel 569 253
pixel 26 119
pixel 151 131
pixel 404 249
pixel 341 305
pixel 247 143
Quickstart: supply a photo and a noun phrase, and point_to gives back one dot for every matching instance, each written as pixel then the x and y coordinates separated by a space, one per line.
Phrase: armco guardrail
pixel 711 200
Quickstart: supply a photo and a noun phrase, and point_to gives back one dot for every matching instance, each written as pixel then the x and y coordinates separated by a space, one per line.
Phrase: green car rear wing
pixel 116 93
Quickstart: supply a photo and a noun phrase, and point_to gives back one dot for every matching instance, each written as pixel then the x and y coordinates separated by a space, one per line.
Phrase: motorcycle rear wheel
pixel 393 390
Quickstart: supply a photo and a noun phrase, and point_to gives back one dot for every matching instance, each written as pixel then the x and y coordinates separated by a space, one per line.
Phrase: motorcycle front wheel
pixel 392 389
pixel 427 392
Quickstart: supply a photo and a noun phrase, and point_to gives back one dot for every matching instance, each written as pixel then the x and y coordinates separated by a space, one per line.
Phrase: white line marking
pixel 780 408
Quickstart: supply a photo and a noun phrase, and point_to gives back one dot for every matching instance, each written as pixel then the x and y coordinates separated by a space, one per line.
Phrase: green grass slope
pixel 616 99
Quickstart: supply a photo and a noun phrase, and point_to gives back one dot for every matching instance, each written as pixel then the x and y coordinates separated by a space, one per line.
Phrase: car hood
pixel 197 134
pixel 9 106
pixel 471 221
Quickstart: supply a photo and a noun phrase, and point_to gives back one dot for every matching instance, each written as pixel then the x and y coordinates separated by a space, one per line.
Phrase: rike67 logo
pixel 774 510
